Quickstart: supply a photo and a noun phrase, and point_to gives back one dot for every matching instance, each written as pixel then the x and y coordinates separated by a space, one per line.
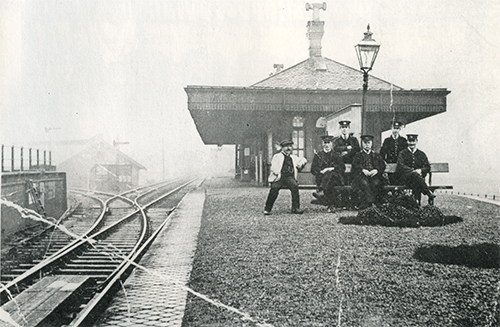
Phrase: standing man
pixel 367 169
pixel 328 168
pixel 413 166
pixel 347 144
pixel 391 148
pixel 284 169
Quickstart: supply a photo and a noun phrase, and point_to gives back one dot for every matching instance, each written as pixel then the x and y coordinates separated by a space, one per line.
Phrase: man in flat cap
pixel 328 168
pixel 367 169
pixel 392 146
pixel 347 144
pixel 413 166
pixel 284 169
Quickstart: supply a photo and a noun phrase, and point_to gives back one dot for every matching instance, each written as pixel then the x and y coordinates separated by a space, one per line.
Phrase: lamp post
pixel 366 50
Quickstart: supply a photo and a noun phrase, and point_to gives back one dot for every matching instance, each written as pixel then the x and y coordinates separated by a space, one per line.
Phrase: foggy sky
pixel 118 68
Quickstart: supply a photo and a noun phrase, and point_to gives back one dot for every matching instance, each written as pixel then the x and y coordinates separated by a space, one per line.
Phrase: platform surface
pixel 151 300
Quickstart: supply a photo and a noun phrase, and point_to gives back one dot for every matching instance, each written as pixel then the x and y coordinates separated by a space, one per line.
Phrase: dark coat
pixel 391 148
pixel 324 160
pixel 370 189
pixel 340 145
pixel 408 162
pixel 361 160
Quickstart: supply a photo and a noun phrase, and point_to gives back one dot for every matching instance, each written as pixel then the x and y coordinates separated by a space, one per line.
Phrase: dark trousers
pixel 394 179
pixel 285 182
pixel 347 198
pixel 417 184
pixel 328 181
pixel 369 190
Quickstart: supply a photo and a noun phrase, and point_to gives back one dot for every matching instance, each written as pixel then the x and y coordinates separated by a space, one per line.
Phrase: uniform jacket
pixel 360 162
pixel 391 148
pixel 340 145
pixel 277 164
pixel 324 160
pixel 408 162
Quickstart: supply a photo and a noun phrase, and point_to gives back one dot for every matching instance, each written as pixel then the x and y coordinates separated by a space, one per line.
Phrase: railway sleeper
pixel 92 264
pixel 50 301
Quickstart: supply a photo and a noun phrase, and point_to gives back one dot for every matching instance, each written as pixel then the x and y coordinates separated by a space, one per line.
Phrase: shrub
pixel 401 211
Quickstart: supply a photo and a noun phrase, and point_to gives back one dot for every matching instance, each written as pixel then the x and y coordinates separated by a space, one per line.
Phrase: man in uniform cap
pixel 328 168
pixel 413 166
pixel 392 146
pixel 284 169
pixel 347 144
pixel 367 169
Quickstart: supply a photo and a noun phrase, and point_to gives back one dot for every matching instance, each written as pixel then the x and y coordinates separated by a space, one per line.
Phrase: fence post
pixel 29 154
pixel 22 159
pixel 38 158
pixel 2 158
pixel 44 158
pixel 12 158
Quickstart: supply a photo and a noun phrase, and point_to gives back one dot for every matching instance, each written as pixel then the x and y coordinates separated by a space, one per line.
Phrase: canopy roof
pixel 317 87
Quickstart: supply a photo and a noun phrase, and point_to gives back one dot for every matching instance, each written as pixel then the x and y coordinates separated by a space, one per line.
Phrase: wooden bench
pixel 389 169
pixel 35 306
pixel 308 181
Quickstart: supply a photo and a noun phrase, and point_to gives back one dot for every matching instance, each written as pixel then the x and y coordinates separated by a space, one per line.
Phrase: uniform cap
pixel 286 142
pixel 397 124
pixel 345 123
pixel 366 137
pixel 412 137
pixel 327 138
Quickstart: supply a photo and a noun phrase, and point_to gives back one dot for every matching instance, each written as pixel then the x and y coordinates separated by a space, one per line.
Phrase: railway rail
pixel 121 229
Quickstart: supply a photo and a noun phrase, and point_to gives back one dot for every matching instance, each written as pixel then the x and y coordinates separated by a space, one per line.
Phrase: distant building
pixel 302 103
pixel 101 166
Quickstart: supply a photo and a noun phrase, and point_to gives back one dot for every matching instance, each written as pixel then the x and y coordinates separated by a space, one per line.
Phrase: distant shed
pixel 101 166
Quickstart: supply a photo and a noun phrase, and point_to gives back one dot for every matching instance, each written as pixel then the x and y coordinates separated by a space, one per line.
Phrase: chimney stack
pixel 315 29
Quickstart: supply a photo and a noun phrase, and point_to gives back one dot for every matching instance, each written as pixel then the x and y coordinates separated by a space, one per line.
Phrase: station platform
pixel 150 300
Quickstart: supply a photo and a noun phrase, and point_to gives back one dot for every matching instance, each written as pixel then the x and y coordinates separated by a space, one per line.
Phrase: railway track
pixel 105 252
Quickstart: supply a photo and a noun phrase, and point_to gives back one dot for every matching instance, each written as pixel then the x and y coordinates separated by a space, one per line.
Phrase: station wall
pixel 51 187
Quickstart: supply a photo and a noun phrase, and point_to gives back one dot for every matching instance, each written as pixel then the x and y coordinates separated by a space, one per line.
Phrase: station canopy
pixel 232 115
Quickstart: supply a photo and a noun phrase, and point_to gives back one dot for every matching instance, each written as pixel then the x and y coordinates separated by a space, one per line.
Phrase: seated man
pixel 413 166
pixel 328 168
pixel 367 170
pixel 284 168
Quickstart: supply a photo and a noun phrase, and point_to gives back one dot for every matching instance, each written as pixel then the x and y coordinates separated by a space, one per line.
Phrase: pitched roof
pixel 97 144
pixel 319 73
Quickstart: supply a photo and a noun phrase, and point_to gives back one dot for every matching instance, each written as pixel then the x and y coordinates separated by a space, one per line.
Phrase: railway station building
pixel 302 103
pixel 100 166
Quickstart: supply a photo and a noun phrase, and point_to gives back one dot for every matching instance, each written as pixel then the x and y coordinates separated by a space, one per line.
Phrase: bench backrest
pixel 440 167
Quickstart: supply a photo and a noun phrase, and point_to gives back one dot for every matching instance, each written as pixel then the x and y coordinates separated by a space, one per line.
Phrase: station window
pixel 298 136
pixel 125 178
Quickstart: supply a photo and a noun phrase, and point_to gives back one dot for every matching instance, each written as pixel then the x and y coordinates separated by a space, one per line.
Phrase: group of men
pixel 367 175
